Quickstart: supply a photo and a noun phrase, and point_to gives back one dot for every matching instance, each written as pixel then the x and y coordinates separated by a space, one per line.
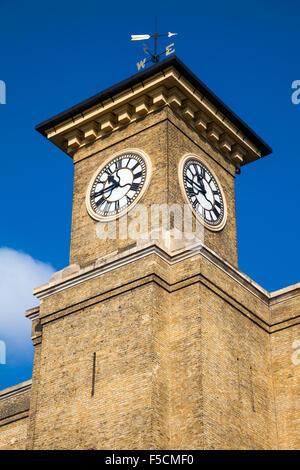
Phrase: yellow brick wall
pixel 13 436
pixel 184 355
pixel 286 376
pixel 14 408
pixel 178 365
pixel 122 332
pixel 238 397
pixel 160 137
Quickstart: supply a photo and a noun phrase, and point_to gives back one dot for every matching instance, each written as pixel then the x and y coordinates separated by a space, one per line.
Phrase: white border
pixel 101 218
pixel 189 156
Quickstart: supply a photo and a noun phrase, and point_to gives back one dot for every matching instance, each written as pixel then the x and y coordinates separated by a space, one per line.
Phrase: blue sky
pixel 56 55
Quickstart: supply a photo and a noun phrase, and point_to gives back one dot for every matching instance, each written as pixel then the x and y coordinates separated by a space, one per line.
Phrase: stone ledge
pixel 15 390
pixel 285 294
pixel 14 418
pixel 32 313
pixel 74 275
pixel 15 402
pixel 114 260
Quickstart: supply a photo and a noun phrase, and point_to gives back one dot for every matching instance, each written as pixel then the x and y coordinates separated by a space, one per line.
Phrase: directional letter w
pixel 141 64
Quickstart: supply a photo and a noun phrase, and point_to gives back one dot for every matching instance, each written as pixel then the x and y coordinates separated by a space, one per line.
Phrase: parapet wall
pixel 14 410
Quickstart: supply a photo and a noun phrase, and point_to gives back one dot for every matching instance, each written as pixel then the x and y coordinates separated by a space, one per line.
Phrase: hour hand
pixel 200 182
pixel 111 179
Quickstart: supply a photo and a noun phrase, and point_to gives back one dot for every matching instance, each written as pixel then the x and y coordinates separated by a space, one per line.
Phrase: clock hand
pixel 196 184
pixel 202 191
pixel 200 179
pixel 102 191
pixel 111 179
pixel 200 182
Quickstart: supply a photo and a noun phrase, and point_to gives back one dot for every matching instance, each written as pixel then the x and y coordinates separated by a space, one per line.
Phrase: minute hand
pixel 196 184
pixel 104 190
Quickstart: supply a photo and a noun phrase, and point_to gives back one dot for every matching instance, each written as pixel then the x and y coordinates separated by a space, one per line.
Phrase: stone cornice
pixel 74 275
pixel 32 313
pixel 62 280
pixel 284 294
pixel 167 88
pixel 11 392
pixel 14 418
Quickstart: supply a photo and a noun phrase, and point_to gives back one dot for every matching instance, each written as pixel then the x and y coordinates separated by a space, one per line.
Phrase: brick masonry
pixel 155 352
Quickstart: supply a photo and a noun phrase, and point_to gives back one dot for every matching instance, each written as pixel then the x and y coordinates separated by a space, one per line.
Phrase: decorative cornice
pixel 103 265
pixel 167 88
pixel 73 275
pixel 32 313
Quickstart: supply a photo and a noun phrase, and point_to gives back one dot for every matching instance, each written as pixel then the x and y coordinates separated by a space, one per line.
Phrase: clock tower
pixel 152 338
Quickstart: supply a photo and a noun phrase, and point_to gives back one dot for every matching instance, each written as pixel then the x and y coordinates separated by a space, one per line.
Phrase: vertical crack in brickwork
pixel 238 377
pixel 252 390
pixel 93 375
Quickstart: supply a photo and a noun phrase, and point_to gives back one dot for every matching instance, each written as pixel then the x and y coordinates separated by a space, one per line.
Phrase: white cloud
pixel 19 275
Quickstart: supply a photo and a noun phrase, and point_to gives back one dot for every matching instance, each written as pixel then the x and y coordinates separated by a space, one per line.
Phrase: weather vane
pixel 154 57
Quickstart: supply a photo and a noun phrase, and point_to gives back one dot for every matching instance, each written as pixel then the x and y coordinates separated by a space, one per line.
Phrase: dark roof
pixel 140 76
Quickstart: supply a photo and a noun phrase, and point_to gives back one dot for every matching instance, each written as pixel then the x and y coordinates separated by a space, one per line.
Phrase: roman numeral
pixel 216 212
pixel 191 192
pixel 137 175
pixel 100 201
pixel 119 164
pixel 135 166
pixel 107 206
pixel 134 186
pixel 117 205
pixel 217 203
pixel 192 169
pixel 197 170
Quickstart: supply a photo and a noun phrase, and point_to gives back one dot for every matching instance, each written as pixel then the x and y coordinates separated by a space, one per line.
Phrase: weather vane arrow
pixel 154 57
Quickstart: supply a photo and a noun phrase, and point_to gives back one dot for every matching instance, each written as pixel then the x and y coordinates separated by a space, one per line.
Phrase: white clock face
pixel 204 194
pixel 117 185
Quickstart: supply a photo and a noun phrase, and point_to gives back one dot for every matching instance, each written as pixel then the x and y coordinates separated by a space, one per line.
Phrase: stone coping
pixel 15 390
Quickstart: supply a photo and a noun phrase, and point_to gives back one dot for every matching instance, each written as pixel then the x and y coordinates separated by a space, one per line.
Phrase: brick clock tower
pixel 151 343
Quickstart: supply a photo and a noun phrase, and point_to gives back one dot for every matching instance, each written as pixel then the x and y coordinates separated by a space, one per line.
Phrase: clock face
pixel 116 186
pixel 204 193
